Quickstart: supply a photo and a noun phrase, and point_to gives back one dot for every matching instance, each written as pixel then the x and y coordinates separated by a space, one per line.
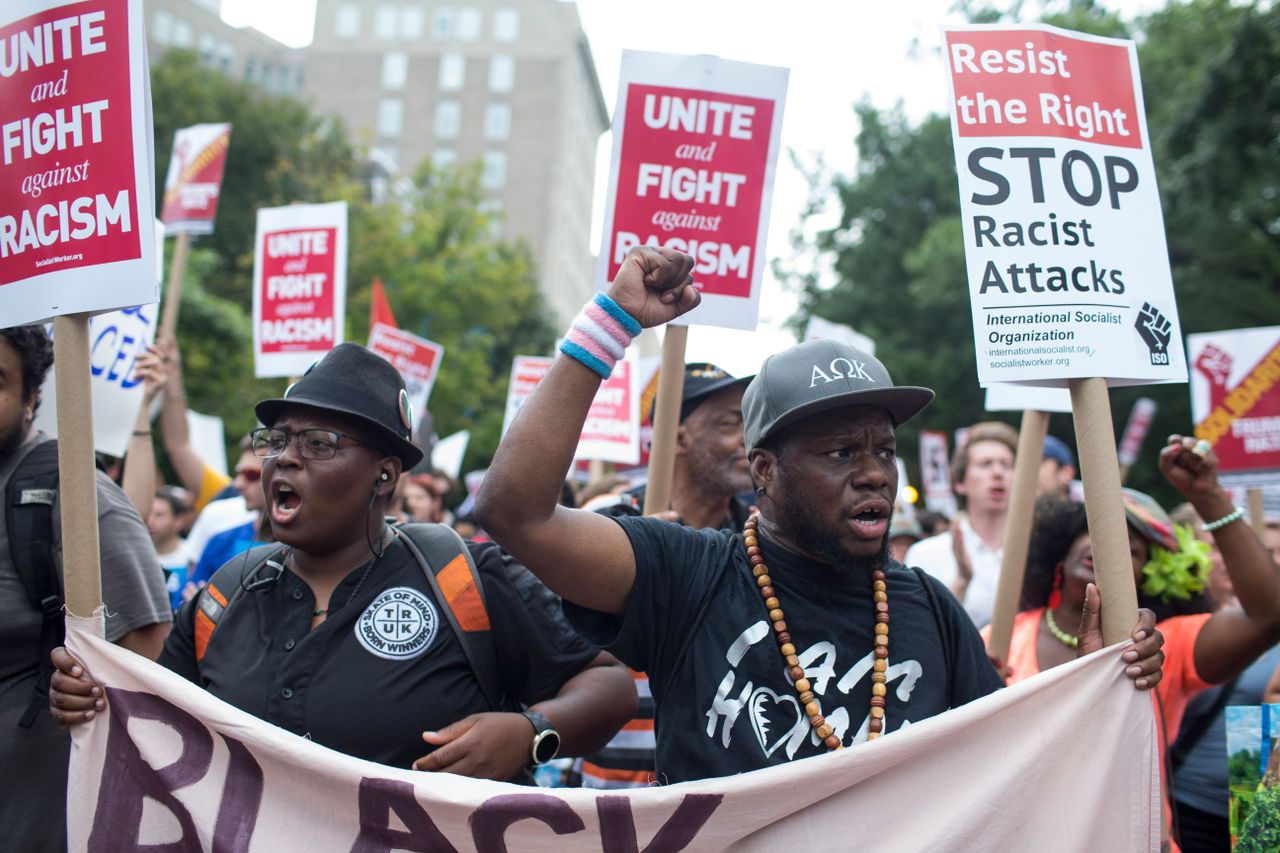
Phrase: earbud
pixel 385 476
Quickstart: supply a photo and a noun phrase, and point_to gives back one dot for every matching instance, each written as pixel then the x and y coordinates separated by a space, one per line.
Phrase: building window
pixel 208 46
pixel 453 72
pixel 411 20
pixel 448 119
pixel 226 57
pixel 390 116
pixel 346 23
pixel 384 22
pixel 182 34
pixel 162 27
pixel 497 122
pixel 395 70
pixel 502 73
pixel 494 174
pixel 444 158
pixel 469 24
pixel 442 23
pixel 506 25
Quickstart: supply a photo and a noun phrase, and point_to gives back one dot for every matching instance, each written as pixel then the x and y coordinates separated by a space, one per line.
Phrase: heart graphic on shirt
pixel 773 718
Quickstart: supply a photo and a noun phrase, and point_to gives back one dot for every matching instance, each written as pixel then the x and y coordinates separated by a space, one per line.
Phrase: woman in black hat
pixel 341 633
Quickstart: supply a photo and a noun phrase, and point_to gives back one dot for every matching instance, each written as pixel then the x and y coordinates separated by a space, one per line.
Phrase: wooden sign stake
pixel 173 291
pixel 662 453
pixel 1257 511
pixel 77 474
pixel 1017 530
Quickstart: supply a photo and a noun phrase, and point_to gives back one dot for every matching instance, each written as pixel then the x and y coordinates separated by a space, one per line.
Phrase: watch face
pixel 546 746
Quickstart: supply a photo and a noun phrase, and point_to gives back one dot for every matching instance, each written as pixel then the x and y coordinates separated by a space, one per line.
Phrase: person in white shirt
pixel 967 557
pixel 169 511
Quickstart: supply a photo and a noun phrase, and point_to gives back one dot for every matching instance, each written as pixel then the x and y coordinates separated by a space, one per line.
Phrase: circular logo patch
pixel 398 625
pixel 406 410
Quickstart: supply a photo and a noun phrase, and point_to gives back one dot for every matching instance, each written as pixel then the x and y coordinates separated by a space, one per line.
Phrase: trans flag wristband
pixel 600 334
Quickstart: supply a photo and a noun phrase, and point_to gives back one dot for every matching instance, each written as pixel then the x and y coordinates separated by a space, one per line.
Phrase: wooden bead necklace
pixel 808 701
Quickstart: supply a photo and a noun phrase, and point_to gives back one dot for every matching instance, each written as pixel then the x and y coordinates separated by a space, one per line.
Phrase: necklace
pixel 321 612
pixel 880 596
pixel 1059 634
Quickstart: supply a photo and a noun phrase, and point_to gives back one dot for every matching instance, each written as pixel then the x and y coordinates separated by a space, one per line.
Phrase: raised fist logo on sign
pixel 1155 330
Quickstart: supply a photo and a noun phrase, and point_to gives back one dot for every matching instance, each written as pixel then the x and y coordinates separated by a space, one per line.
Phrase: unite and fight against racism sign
pixel 75 165
pixel 1064 237
pixel 194 180
pixel 299 286
pixel 695 146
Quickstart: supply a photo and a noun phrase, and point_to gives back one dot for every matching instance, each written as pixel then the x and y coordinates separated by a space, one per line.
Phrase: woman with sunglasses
pixel 338 634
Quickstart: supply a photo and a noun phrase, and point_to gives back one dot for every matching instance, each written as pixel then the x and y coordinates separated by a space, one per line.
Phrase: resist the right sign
pixel 1064 237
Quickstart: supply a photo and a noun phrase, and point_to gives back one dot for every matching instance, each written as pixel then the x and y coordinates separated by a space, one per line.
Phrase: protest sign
pixel 116 339
pixel 695 146
pixel 1253 775
pixel 611 432
pixel 819 328
pixel 526 372
pixel 75 130
pixel 1135 431
pixel 1064 237
pixel 1008 397
pixel 207 435
pixel 1235 399
pixel 417 359
pixel 165 762
pixel 299 286
pixel 935 472
pixel 449 451
pixel 194 180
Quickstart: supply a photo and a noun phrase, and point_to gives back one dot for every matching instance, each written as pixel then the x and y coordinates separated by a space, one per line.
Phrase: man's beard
pixel 797 517
pixel 10 441
pixel 716 476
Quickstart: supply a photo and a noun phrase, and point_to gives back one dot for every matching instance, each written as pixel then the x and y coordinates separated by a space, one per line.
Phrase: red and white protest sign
pixel 75 165
pixel 1064 235
pixel 695 146
pixel 194 180
pixel 935 472
pixel 611 432
pixel 417 359
pixel 1235 398
pixel 1135 431
pixel 526 372
pixel 299 286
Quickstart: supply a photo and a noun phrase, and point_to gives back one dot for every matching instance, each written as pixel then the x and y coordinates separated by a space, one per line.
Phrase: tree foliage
pixel 1213 106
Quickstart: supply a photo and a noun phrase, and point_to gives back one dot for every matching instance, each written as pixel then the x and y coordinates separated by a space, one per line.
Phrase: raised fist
pixel 653 285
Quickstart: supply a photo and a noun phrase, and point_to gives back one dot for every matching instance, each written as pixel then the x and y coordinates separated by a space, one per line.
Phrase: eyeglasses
pixel 269 443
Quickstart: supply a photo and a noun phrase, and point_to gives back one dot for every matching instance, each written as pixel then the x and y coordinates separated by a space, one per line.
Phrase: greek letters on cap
pixel 841 368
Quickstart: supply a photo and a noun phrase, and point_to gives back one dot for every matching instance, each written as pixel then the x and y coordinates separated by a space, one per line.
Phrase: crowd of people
pixel 519 632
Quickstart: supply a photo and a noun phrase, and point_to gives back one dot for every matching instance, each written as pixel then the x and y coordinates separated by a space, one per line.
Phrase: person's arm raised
pixel 584 557
pixel 1232 638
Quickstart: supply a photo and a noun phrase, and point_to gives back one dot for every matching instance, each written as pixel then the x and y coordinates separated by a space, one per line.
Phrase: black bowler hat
pixel 357 383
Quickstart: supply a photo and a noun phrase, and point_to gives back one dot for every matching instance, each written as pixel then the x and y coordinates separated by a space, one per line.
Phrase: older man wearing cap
pixel 779 642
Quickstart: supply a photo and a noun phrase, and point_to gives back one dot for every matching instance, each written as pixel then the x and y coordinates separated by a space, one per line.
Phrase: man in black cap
pixel 407 646
pixel 710 472
pixel 798 635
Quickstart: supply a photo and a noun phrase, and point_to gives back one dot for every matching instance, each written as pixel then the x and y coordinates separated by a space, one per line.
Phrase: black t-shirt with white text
pixel 348 687
pixel 696 623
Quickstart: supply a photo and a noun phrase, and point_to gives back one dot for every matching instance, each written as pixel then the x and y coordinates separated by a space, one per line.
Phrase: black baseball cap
pixel 357 383
pixel 701 380
pixel 818 375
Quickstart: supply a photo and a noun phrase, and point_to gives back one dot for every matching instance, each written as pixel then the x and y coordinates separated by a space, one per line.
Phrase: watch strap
pixel 542 730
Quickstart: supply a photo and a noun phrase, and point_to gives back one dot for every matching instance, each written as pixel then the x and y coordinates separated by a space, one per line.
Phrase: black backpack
pixel 28 519
pixel 446 563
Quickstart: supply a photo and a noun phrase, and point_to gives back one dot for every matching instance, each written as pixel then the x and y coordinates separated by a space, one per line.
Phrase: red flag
pixel 380 308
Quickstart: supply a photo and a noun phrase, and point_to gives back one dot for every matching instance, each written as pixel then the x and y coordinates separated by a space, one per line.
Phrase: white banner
pixel 1064 236
pixel 695 148
pixel 167 763
pixel 1008 397
pixel 299 286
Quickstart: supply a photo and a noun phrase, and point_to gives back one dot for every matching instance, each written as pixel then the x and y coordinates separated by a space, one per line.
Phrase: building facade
pixel 509 84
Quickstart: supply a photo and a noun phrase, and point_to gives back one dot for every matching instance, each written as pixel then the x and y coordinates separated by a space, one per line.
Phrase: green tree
pixel 1213 107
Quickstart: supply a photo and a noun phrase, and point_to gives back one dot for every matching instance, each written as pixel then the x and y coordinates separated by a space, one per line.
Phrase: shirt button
pixel 297 595
pixel 287 692
pixel 288 645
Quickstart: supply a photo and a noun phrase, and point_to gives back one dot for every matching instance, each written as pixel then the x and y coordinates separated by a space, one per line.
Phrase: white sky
pixel 838 51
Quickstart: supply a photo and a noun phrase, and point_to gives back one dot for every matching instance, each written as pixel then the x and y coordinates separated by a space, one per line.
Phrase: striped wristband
pixel 600 334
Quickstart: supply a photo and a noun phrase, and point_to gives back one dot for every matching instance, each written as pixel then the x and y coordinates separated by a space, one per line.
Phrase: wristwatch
pixel 546 740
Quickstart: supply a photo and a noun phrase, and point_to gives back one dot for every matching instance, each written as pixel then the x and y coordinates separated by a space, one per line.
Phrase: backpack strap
pixel 259 566
pixel 936 606
pixel 28 518
pixel 451 573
